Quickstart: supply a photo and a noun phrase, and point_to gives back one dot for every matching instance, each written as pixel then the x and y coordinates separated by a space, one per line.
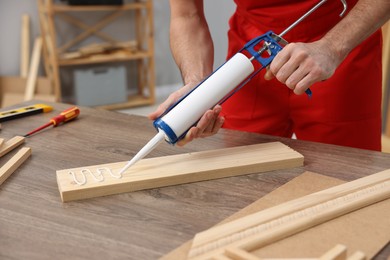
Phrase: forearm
pixel 190 40
pixel 365 18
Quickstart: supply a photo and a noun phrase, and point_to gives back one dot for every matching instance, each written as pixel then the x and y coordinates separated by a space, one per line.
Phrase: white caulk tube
pixel 183 115
pixel 208 94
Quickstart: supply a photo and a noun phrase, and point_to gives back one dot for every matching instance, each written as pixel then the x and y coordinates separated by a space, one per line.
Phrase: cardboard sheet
pixel 366 230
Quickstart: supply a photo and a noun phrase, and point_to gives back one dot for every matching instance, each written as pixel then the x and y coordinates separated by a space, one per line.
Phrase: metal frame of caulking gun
pixel 271 45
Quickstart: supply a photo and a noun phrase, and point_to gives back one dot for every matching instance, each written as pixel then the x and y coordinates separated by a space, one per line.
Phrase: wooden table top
pixel 35 224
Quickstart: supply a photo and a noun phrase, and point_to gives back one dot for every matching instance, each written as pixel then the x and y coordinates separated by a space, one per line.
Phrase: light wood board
pixel 265 227
pixel 176 169
pixel 12 90
pixel 7 169
pixel 25 46
pixel 365 230
pixel 33 71
pixel 11 144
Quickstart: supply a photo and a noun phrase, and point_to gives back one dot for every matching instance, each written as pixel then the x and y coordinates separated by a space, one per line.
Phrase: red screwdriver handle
pixel 65 116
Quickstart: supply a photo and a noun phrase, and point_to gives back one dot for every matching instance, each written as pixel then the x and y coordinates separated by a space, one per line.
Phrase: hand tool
pixel 175 122
pixel 66 116
pixel 24 111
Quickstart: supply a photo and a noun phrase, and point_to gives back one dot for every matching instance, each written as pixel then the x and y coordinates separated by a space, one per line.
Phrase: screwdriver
pixel 66 116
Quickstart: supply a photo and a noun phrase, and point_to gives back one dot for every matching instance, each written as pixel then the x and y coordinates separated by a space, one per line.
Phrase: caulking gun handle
pixel 65 116
pixel 273 47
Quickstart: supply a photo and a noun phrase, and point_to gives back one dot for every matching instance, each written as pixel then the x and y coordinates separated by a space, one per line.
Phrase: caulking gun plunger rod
pixel 231 76
pixel 280 35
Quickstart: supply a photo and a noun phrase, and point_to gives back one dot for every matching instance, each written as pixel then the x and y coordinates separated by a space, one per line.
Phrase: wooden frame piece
pixel 25 46
pixel 90 30
pixel 13 90
pixel 11 144
pixel 386 75
pixel 33 71
pixel 78 23
pixel 7 169
pixel 96 180
pixel 270 225
pixel 339 252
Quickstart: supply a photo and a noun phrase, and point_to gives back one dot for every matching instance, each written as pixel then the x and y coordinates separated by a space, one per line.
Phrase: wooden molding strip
pixel 25 46
pixel 338 252
pixel 100 180
pixel 1 142
pixel 33 70
pixel 7 169
pixel 11 144
pixel 270 225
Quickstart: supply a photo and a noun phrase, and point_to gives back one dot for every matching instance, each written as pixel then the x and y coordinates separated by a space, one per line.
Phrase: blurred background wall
pixel 217 13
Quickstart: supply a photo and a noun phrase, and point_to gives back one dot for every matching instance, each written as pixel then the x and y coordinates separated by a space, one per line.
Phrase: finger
pixel 286 71
pixel 280 59
pixel 212 121
pixel 310 74
pixel 304 84
pixel 172 98
pixel 218 124
pixel 300 73
pixel 163 107
pixel 268 75
pixel 205 122
pixel 188 137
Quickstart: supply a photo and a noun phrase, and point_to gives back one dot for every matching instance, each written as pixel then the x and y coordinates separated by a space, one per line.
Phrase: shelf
pixel 116 56
pixel 60 53
pixel 93 8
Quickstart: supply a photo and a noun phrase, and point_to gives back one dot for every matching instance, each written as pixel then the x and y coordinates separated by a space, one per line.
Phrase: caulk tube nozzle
pixel 160 136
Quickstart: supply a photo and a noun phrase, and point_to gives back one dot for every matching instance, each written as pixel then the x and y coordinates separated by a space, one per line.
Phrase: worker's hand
pixel 299 65
pixel 208 125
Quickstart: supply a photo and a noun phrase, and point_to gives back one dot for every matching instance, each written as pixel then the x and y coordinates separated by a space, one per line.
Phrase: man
pixel 338 58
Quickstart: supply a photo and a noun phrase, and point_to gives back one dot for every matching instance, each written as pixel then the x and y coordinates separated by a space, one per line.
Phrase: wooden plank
pixel 239 254
pixel 11 144
pixel 25 46
pixel 57 8
pixel 18 85
pixel 339 252
pixel 176 169
pixel 7 169
pixel 268 226
pixel 13 90
pixel 386 76
pixel 364 230
pixel 33 72
pixel 357 256
pixel 10 99
pixel 1 140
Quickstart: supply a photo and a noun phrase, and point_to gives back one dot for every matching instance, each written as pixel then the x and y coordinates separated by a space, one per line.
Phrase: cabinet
pixel 59 53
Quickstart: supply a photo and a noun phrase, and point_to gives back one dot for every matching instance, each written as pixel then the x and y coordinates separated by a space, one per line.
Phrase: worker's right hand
pixel 208 125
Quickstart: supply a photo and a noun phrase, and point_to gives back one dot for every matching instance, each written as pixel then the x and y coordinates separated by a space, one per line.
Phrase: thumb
pixel 268 75
pixel 161 108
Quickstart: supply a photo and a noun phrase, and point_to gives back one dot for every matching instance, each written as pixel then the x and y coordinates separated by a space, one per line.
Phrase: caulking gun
pixel 175 122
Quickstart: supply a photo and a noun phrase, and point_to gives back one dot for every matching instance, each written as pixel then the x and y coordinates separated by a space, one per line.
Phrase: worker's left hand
pixel 208 125
pixel 299 65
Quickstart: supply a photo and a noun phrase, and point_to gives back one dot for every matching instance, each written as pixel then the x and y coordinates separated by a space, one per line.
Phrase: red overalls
pixel 344 110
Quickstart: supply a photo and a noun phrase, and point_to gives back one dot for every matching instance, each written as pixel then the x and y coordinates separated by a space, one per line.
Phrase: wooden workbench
pixel 35 224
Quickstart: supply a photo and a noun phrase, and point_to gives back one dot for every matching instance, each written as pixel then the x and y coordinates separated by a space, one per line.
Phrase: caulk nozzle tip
pixel 127 166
